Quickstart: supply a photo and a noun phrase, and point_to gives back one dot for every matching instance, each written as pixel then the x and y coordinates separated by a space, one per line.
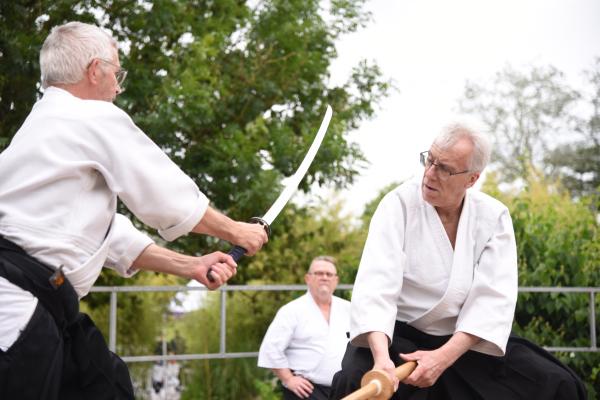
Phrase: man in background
pixel 305 343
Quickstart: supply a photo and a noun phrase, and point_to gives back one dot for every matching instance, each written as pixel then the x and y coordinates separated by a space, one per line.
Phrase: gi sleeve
pixel 378 283
pixel 126 244
pixel 489 308
pixel 277 339
pixel 148 182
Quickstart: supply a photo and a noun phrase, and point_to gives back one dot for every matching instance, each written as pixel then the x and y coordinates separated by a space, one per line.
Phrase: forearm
pixel 158 259
pixel 251 237
pixel 283 374
pixel 431 364
pixel 215 224
pixel 378 343
pixel 458 344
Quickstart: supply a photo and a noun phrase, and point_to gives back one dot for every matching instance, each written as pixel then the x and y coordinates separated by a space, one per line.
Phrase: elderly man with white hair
pixel 437 284
pixel 75 155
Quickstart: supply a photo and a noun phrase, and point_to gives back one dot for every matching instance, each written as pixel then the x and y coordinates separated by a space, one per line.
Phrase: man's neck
pixel 324 304
pixel 450 213
pixel 450 217
pixel 78 90
pixel 322 299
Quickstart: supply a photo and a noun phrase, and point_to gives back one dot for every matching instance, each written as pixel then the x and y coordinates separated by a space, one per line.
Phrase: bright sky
pixel 430 48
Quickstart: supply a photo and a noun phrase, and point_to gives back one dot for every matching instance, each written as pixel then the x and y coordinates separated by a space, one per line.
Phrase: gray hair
pixel 329 259
pixel 70 48
pixel 456 131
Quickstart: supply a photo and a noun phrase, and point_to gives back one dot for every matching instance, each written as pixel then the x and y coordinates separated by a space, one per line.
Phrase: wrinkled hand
pixel 300 386
pixel 222 269
pixel 430 365
pixel 251 237
pixel 389 367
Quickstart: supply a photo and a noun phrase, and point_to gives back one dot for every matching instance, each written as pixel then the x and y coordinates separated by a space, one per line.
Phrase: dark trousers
pixel 525 372
pixel 319 392
pixel 60 354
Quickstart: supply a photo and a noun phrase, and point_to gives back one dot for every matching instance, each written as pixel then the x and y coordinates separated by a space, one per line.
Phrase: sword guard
pixel 265 224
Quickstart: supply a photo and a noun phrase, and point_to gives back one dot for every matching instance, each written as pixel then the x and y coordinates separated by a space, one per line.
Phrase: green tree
pixel 305 233
pixel 528 114
pixel 233 91
pixel 558 244
pixel 577 164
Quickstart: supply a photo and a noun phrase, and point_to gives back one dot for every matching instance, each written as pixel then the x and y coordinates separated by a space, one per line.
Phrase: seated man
pixel 437 284
pixel 305 342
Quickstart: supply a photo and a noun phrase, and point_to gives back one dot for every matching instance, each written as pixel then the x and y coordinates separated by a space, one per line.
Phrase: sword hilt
pixel 237 252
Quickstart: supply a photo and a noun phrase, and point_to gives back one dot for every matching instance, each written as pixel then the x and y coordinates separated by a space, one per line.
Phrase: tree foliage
pixel 306 233
pixel 233 91
pixel 558 244
pixel 578 163
pixel 547 137
pixel 528 113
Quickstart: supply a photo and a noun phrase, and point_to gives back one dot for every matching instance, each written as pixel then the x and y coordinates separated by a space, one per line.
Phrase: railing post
pixel 112 325
pixel 593 319
pixel 223 321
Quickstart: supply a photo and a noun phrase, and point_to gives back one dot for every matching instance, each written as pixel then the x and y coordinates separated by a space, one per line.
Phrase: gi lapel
pixel 461 273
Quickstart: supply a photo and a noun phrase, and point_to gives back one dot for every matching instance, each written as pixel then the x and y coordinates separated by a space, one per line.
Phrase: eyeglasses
pixel 322 274
pixel 120 74
pixel 443 171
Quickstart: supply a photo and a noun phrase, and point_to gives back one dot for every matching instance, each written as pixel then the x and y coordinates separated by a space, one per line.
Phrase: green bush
pixel 558 242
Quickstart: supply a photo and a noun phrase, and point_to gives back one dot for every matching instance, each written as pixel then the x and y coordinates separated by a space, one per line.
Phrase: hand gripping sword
pixel 237 252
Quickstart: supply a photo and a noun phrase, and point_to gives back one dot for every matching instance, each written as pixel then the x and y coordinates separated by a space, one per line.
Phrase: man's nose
pixel 430 171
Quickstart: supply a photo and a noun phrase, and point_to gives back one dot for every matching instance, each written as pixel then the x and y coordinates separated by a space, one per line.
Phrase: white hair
pixel 70 48
pixel 456 131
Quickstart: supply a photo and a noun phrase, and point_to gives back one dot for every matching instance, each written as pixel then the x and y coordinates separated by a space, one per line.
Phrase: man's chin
pixel 324 290
pixel 431 198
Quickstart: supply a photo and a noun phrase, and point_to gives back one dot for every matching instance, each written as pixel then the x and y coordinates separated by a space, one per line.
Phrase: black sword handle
pixel 237 252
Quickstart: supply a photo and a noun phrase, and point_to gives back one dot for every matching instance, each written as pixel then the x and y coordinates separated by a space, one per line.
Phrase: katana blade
pixel 238 252
pixel 294 181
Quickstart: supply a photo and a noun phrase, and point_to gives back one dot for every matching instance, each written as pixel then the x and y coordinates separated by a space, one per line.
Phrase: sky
pixel 430 48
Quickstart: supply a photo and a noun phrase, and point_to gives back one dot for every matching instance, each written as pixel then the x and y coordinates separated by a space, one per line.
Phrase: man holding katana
pixel 437 284
pixel 61 176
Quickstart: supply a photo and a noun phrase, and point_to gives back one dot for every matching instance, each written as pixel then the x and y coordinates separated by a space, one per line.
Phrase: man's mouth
pixel 430 188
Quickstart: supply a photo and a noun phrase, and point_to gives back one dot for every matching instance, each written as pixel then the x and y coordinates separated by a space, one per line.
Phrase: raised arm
pixel 249 236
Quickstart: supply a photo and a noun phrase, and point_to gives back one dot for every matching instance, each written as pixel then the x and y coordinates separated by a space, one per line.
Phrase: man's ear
pixel 93 72
pixel 472 179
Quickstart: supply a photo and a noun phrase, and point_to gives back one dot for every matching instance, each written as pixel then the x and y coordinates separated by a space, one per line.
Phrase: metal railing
pixel 223 354
pixel 591 312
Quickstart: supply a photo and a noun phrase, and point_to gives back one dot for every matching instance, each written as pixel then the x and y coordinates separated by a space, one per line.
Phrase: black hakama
pixel 60 354
pixel 525 372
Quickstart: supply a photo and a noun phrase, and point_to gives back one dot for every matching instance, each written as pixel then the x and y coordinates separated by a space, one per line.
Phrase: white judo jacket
pixel 60 180
pixel 410 272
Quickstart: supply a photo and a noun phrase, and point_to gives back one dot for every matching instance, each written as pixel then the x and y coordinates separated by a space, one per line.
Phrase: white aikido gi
pixel 299 338
pixel 409 271
pixel 61 176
